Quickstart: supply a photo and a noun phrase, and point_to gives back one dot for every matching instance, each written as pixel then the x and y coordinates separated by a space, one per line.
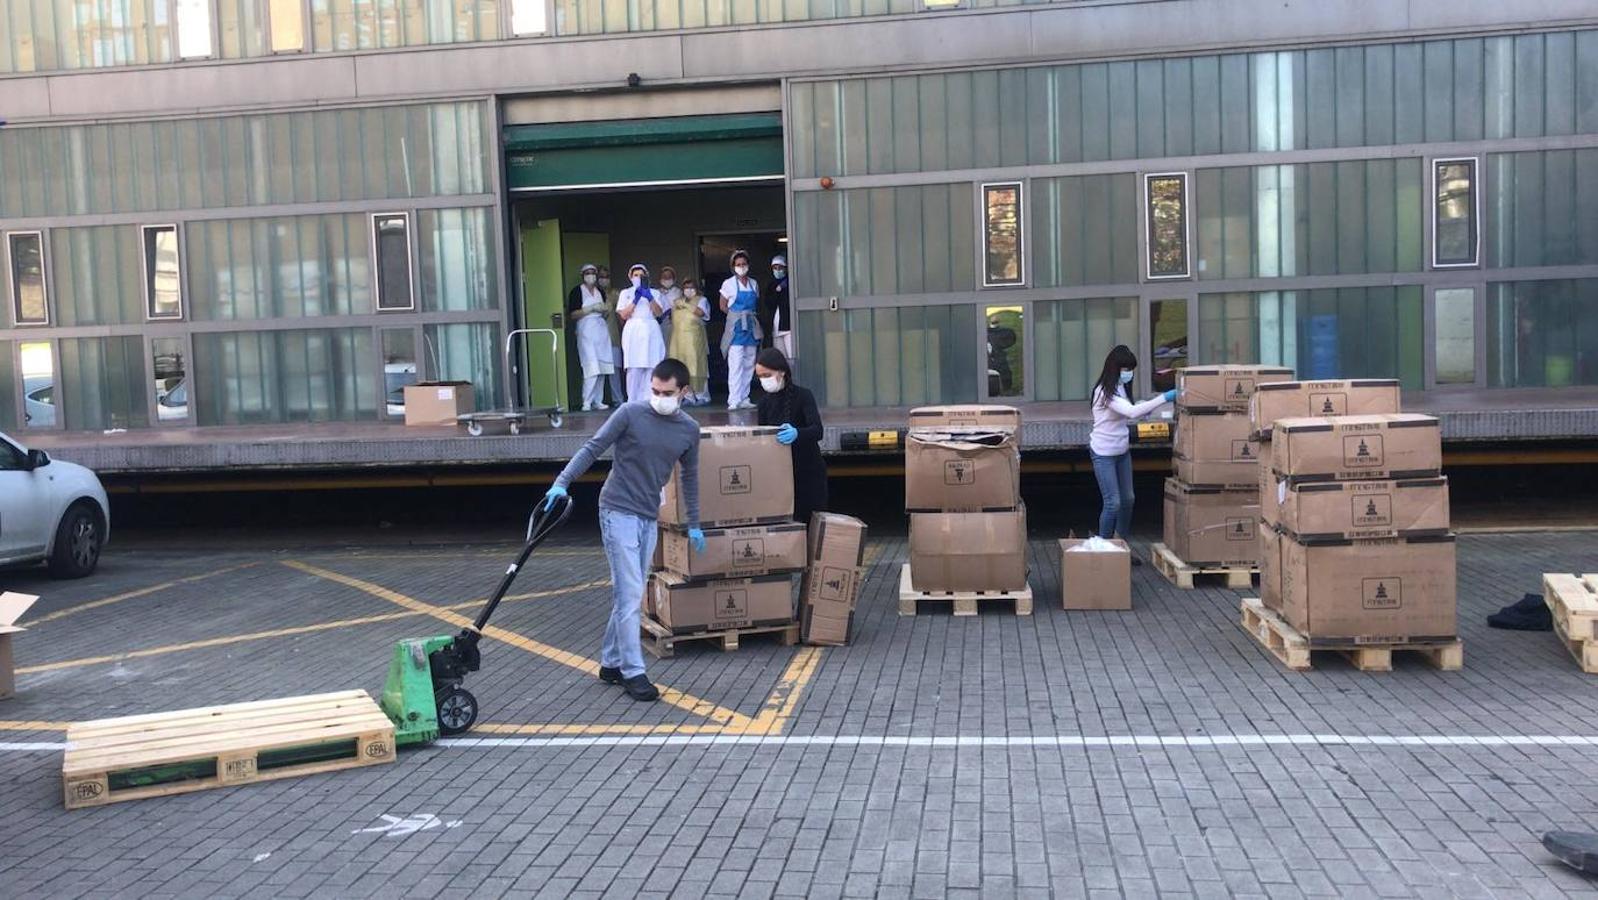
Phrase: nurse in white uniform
pixel 642 344
pixel 587 307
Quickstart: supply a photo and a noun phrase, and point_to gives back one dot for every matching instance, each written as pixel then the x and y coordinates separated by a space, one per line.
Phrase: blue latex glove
pixel 555 493
pixel 696 536
pixel 1171 395
pixel 787 434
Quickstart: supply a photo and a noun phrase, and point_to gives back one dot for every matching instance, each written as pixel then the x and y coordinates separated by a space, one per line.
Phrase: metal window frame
pixel 1023 279
pixel 144 268
pixel 418 345
pixel 1147 229
pixel 213 25
pixel 508 21
pixel 152 406
pixel 306 39
pixel 1475 210
pixel 410 260
pixel 1478 290
pixel 12 300
pixel 55 384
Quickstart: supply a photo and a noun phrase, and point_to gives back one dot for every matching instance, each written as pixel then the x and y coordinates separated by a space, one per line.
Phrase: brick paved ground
pixel 847 798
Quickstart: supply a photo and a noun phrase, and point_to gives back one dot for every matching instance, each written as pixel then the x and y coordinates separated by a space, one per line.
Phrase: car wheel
pixel 77 542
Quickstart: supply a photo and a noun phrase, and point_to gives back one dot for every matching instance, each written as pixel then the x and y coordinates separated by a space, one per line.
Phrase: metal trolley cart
pixel 514 420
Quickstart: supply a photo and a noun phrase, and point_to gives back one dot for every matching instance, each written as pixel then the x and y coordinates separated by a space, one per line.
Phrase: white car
pixel 50 511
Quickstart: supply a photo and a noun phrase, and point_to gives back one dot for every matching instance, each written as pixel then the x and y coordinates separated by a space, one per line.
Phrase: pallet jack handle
pixel 540 525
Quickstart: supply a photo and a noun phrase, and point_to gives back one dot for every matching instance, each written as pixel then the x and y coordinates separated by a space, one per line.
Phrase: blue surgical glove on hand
pixel 696 536
pixel 1171 395
pixel 787 434
pixel 555 493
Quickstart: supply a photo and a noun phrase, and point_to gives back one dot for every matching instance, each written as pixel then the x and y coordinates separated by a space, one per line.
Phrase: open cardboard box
pixel 12 606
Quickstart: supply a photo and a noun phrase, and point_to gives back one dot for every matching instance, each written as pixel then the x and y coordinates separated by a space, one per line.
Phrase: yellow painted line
pixel 505 728
pixel 672 696
pixel 141 592
pixel 785 697
pixel 284 632
pixel 33 726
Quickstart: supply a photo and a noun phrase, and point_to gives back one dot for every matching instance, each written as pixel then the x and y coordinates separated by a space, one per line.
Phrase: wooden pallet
pixel 662 644
pixel 1237 578
pixel 1294 650
pixel 133 757
pixel 965 602
pixel 1573 600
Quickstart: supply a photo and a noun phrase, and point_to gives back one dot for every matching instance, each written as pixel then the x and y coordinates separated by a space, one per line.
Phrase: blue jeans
pixel 629 543
pixel 1115 486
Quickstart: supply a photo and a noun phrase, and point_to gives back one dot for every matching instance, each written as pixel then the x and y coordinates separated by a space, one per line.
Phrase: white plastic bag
pixel 1095 544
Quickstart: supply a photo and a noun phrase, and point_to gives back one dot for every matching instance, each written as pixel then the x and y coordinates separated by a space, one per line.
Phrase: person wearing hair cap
pixel 686 340
pixel 642 345
pixel 781 309
pixel 589 311
pixel 740 341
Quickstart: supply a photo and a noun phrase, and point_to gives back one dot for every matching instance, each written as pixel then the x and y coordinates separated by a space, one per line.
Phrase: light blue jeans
pixel 1115 486
pixel 629 543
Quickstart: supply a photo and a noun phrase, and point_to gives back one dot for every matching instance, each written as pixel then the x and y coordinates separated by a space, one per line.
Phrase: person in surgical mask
pixel 1109 445
pixel 670 291
pixel 793 410
pixel 740 339
pixel 589 310
pixel 618 396
pixel 643 345
pixel 781 307
pixel 686 340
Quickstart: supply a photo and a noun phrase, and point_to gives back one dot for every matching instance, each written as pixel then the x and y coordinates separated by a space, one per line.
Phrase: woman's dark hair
pixel 1110 379
pixel 773 359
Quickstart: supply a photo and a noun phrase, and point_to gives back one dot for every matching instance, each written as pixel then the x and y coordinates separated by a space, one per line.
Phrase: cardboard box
pixel 1397 445
pixel 745 478
pixel 1215 436
pixel 1297 399
pixel 12 606
pixel 1227 387
pixel 736 552
pixel 1095 579
pixel 831 583
pixel 1212 526
pixel 1270 567
pixel 1389 590
pixel 438 402
pixel 968 551
pixel 966 415
pixel 1354 510
pixel 1237 474
pixel 961 470
pixel 688 606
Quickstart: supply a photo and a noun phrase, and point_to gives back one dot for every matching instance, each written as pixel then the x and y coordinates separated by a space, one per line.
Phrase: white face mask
pixel 590 279
pixel 668 283
pixel 690 293
pixel 780 272
pixel 637 282
pixel 771 384
pixel 742 271
pixel 664 405
pixel 604 282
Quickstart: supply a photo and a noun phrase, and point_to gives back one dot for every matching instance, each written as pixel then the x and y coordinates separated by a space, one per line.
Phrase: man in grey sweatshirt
pixel 650 439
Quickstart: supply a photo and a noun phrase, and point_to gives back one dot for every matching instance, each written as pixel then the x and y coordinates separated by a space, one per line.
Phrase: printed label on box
pixel 732 606
pixel 446 393
pixel 1373 510
pixel 1239 528
pixel 1239 389
pixel 959 471
pixel 1328 404
pixel 1362 451
pixel 748 552
pixel 834 584
pixel 1383 593
pixel 735 480
pixel 1243 451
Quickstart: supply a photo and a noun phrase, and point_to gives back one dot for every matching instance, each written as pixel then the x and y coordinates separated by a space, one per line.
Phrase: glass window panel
pixel 880 130
pixel 38 384
pixel 987 135
pixel 285 376
pixel 1454 213
pixel 1542 333
pixel 468 352
pixel 29 303
pixel 288 25
pixel 99 383
pixel 399 367
pixel 1123 126
pixel 1149 109
pixel 171 388
pixel 1586 82
pixel 1454 315
pixel 8 387
pixel 163 278
pixel 910 242
pixel 1006 351
pixel 1095 127
pixel 392 248
pixel 194 29
pixel 1167 341
pixel 1002 238
pixel 457 260
pixel 1167 225
pixel 97 273
pixel 1559 82
pixel 1380 93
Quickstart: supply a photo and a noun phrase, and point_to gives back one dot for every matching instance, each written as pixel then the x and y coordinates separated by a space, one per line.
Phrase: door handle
pixel 557 321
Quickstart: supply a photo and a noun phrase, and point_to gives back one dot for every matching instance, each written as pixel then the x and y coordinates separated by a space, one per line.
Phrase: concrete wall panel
pixel 247 85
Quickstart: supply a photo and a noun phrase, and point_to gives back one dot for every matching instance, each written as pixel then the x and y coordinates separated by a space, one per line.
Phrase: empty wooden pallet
pixel 1573 600
pixel 662 644
pixel 966 603
pixel 129 758
pixel 1184 576
pixel 1290 646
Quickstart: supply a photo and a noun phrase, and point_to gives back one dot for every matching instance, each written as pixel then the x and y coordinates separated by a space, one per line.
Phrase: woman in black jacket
pixel 793 409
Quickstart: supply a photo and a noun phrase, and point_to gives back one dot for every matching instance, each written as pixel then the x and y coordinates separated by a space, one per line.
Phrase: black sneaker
pixel 639 688
pixel 609 675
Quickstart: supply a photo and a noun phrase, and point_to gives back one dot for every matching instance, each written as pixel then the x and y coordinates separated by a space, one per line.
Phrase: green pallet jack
pixel 423 694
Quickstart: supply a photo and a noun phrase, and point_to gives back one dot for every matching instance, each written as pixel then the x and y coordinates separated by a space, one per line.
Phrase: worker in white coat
pixel 740 339
pixel 642 344
pixel 588 309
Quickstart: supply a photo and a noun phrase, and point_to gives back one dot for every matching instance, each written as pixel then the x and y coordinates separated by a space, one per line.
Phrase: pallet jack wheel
pixel 457 711
pixel 554 420
pixel 474 428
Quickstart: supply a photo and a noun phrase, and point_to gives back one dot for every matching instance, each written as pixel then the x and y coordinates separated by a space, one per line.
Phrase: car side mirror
pixel 37 459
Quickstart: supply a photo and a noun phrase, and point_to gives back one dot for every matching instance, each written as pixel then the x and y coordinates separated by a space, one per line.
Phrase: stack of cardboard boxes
pixel 1355 537
pixel 963 493
pixel 744 578
pixel 1212 504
